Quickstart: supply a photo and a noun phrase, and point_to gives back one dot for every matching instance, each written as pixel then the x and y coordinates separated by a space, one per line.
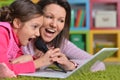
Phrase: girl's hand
pixel 38 54
pixel 63 60
pixel 5 72
pixel 23 58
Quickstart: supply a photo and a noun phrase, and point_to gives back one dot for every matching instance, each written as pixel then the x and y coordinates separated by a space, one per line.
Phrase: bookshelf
pixel 102 38
pixel 80 23
pixel 83 6
pixel 107 8
pixel 84 42
pixel 102 25
pixel 35 1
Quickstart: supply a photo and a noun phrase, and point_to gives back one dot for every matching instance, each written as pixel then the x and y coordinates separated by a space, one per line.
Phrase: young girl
pixel 19 24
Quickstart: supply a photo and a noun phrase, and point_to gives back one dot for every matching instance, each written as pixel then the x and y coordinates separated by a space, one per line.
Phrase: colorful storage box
pixel 105 19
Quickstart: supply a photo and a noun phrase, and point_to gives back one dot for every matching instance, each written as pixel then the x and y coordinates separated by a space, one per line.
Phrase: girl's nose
pixel 37 33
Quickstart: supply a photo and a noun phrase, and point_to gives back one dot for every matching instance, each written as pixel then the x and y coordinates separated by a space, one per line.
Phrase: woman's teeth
pixel 50 30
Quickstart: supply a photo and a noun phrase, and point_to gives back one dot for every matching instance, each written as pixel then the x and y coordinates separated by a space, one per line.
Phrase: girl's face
pixel 53 22
pixel 28 30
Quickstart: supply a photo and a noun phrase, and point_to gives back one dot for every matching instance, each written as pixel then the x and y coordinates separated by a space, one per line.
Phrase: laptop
pixel 50 73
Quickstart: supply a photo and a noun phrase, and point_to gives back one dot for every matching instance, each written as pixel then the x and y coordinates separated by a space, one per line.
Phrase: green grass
pixel 112 72
pixel 5 2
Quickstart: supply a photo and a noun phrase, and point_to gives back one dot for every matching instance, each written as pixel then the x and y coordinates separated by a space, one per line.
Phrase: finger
pixel 59 55
pixel 14 61
pixel 6 71
pixel 56 55
pixel 49 51
pixel 58 60
pixel 38 54
pixel 56 50
pixel 51 47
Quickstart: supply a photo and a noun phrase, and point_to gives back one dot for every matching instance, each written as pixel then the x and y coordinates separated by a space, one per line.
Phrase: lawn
pixel 112 72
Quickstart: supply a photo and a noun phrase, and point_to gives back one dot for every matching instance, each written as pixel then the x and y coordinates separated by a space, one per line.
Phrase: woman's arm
pixel 78 55
pixel 73 52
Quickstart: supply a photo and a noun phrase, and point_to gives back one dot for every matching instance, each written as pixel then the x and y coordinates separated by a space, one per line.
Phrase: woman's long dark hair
pixel 57 42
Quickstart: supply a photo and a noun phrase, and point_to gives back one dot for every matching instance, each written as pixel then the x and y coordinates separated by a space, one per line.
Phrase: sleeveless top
pixel 13 48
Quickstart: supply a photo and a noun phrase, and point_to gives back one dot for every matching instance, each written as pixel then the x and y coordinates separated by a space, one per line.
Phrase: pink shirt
pixel 5 56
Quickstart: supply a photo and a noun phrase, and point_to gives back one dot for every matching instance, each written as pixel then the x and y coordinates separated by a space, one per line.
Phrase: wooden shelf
pixel 77 5
pixel 93 32
pixel 85 33
pixel 105 35
pixel 111 3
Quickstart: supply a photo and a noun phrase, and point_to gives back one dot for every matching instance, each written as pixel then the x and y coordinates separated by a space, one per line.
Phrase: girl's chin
pixel 26 43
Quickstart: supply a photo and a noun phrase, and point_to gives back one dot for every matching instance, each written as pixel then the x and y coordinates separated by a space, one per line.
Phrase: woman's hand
pixel 45 59
pixel 5 72
pixel 23 58
pixel 63 60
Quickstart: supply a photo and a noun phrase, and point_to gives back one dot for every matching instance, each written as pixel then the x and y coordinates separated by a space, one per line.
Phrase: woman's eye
pixel 62 21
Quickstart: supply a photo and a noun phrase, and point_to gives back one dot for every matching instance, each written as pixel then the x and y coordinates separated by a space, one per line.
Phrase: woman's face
pixel 53 22
pixel 29 30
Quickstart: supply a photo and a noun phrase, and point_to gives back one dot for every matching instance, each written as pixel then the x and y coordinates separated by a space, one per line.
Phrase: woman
pixel 54 32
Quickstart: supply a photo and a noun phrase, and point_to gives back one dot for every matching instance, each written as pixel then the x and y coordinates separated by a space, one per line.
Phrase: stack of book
pixel 103 44
pixel 78 18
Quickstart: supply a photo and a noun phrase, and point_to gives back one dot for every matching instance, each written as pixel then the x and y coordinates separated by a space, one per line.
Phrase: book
pixel 72 24
pixel 82 19
pixel 85 66
pixel 78 17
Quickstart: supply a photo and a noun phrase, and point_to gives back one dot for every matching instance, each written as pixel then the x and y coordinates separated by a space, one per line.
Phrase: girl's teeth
pixel 30 39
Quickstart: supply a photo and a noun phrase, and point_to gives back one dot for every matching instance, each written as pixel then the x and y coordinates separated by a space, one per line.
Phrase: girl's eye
pixel 50 17
pixel 34 26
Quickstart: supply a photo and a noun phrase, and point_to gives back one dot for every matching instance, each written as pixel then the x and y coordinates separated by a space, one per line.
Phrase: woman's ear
pixel 16 23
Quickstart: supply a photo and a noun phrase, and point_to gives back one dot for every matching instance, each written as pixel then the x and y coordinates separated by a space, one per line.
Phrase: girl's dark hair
pixel 57 42
pixel 21 9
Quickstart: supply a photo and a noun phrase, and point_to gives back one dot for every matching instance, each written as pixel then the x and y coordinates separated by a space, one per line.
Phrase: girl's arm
pixel 5 71
pixel 16 68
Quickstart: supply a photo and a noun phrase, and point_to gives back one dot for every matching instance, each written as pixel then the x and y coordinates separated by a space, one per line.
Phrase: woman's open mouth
pixel 50 31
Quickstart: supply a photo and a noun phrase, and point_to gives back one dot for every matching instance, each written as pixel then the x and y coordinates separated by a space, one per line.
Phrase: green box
pixel 76 38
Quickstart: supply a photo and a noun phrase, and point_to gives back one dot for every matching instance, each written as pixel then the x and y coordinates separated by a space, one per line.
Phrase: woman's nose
pixel 53 23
